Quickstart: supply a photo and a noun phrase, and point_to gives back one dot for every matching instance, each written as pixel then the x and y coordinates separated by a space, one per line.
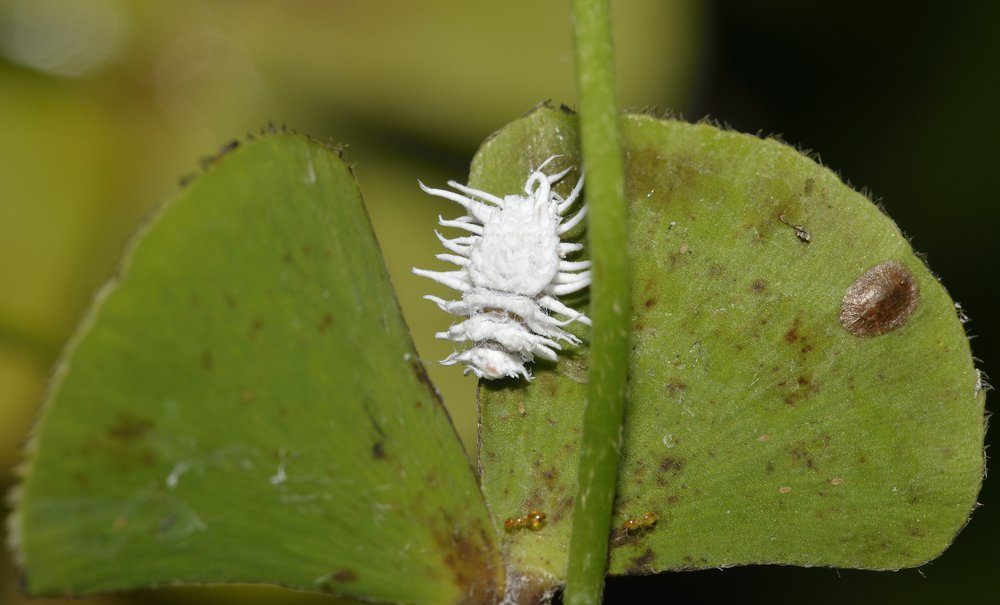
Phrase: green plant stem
pixel 603 159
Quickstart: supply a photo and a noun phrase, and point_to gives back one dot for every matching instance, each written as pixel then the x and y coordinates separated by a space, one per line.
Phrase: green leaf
pixel 758 428
pixel 244 404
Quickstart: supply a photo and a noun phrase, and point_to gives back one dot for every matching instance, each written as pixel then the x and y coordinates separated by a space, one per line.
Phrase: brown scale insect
pixel 879 301
pixel 534 521
pixel 635 524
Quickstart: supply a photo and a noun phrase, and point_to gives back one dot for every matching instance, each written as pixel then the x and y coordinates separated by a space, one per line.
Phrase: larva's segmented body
pixel 511 271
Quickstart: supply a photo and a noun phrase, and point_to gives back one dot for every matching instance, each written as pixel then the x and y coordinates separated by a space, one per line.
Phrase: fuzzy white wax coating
pixel 511 270
pixel 518 251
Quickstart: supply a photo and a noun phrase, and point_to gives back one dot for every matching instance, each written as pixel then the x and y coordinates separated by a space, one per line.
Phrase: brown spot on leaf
pixel 792 334
pixel 668 464
pixel 802 456
pixel 325 322
pixel 207 361
pixel 378 450
pixel 758 286
pixel 643 563
pixel 879 301
pixel 784 489
pixel 422 377
pixel 344 575
pixel 129 428
pixel 649 303
pixel 255 325
pixel 804 389
pixel 473 563
pixel 675 387
pixel 562 508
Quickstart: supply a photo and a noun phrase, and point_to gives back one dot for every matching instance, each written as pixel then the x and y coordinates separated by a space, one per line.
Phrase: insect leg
pixel 455 307
pixel 573 222
pixel 571 278
pixel 560 289
pixel 546 162
pixel 455 245
pixel 452 279
pixel 565 265
pixel 489 197
pixel 544 188
pixel 460 224
pixel 573 195
pixel 568 247
pixel 554 178
pixel 555 305
pixel 461 261
pixel 478 209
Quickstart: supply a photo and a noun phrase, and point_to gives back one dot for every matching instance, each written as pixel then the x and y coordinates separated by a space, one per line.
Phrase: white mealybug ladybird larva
pixel 512 268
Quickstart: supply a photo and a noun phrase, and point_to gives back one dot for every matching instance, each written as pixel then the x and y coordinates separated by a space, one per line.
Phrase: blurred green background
pixel 105 104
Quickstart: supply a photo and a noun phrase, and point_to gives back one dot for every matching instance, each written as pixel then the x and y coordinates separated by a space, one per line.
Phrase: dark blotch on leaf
pixel 344 575
pixel 466 553
pixel 643 563
pixel 421 374
pixel 792 334
pixel 879 301
pixel 128 428
pixel 669 464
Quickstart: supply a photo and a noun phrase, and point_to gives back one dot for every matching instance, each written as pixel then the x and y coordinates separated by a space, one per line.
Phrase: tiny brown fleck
pixel 521 410
pixel 792 334
pixel 784 489
pixel 675 387
pixel 836 481
pixel 879 301
pixel 344 575
pixel 683 249
pixel 764 438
